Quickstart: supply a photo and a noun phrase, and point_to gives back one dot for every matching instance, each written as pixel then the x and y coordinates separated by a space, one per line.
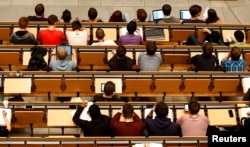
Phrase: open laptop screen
pixel 185 14
pixel 157 15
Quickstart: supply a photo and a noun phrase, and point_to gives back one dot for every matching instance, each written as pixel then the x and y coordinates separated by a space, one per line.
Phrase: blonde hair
pixel 61 53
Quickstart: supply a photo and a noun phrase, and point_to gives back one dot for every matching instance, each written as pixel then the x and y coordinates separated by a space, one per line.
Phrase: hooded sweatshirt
pixel 22 37
pixel 62 65
pixel 161 126
pixel 122 64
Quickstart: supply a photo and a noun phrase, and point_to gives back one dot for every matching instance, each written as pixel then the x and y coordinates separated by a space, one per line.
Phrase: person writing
pixel 4 131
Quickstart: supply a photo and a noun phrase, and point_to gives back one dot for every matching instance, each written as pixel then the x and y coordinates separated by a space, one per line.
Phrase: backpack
pixel 37 61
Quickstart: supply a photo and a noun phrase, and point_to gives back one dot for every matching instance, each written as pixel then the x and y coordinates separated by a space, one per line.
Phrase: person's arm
pixel 151 113
pixel 74 56
pixel 76 118
pixel 8 126
pixel 53 54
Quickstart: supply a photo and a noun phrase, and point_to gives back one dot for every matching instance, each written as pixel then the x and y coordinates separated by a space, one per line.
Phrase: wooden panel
pixel 47 85
pixel 226 85
pixel 167 85
pixel 78 85
pixel 180 34
pixel 197 85
pixel 137 85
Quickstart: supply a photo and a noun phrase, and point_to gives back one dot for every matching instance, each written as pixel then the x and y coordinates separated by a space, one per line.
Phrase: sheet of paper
pixel 9 114
pixel 244 111
pixel 84 115
pixel 170 113
pixel 17 85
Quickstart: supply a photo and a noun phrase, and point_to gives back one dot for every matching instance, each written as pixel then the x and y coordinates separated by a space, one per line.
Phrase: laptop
pixel 68 48
pixel 185 14
pixel 157 15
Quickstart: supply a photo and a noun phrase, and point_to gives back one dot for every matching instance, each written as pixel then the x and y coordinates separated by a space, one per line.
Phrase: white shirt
pixel 77 37
pixel 105 42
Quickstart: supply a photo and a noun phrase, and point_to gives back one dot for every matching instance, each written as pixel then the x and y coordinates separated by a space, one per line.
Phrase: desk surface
pixel 60 118
pixel 220 117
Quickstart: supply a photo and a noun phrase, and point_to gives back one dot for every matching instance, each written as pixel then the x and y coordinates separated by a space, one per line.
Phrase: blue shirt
pixel 233 65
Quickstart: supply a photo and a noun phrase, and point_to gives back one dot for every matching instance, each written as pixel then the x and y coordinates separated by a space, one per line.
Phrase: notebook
pixel 157 15
pixel 9 114
pixel 184 14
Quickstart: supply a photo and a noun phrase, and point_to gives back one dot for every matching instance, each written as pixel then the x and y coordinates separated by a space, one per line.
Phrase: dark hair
pixel 151 48
pixel 142 15
pixel 239 35
pixel 207 49
pixel 194 10
pixel 66 15
pixel 100 34
pixel 131 27
pixel 212 16
pixel 23 22
pixel 215 37
pixel 76 25
pixel 92 13
pixel 194 107
pixel 116 17
pixel 235 53
pixel 166 9
pixel 127 111
pixel 39 9
pixel 121 51
pixel 52 19
pixel 161 109
pixel 94 112
pixel 109 88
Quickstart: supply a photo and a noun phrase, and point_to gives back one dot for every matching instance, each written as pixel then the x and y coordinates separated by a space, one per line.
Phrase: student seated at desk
pixel 100 34
pixel 193 124
pixel 99 124
pixel 4 131
pixel 108 93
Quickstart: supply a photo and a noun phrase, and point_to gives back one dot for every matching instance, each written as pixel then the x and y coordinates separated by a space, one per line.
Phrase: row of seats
pixel 171 33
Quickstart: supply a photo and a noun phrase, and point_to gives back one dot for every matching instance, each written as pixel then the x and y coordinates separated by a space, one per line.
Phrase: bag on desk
pixel 245 122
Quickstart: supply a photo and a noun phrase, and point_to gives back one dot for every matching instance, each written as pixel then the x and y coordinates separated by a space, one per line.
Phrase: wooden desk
pixel 220 117
pixel 60 118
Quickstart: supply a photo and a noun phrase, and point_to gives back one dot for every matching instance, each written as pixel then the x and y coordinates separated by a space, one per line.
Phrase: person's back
pixel 212 17
pixel 23 36
pixel 100 34
pixel 195 11
pixel 239 42
pixel 206 61
pixel 51 36
pixel 120 61
pixel 166 9
pixel 77 36
pixel 198 122
pixel 150 60
pixel 160 125
pixel 39 10
pixel 130 38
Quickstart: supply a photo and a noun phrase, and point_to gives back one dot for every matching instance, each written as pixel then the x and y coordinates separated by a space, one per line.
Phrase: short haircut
pixel 127 111
pixel 207 49
pixel 23 22
pixel 239 35
pixel 92 13
pixel 52 19
pixel 76 25
pixel 235 53
pixel 151 48
pixel 131 27
pixel 94 112
pixel 109 88
pixel 66 15
pixel 194 107
pixel 100 34
pixel 161 109
pixel 116 16
pixel 121 51
pixel 142 15
pixel 194 10
pixel 166 9
pixel 61 53
pixel 215 36
pixel 39 9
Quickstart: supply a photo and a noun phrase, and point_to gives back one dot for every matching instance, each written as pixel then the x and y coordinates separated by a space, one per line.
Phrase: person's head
pixel 127 111
pixel 151 48
pixel 66 15
pixel 239 36
pixel 131 27
pixel 161 109
pixel 121 51
pixel 116 16
pixel 94 112
pixel 76 25
pixel 212 16
pixel 166 9
pixel 52 19
pixel 23 22
pixel 92 13
pixel 61 53
pixel 141 15
pixel 235 53
pixel 39 9
pixel 207 49
pixel 100 34
pixel 109 88
pixel 195 10
pixel 194 107
pixel 215 37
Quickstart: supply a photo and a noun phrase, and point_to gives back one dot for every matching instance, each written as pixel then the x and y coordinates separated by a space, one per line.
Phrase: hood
pixel 162 122
pixel 20 35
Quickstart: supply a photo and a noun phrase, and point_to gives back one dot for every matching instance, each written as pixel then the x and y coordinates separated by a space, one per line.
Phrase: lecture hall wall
pixel 230 11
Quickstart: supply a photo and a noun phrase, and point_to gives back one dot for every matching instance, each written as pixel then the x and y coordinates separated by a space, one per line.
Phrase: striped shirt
pixel 233 65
